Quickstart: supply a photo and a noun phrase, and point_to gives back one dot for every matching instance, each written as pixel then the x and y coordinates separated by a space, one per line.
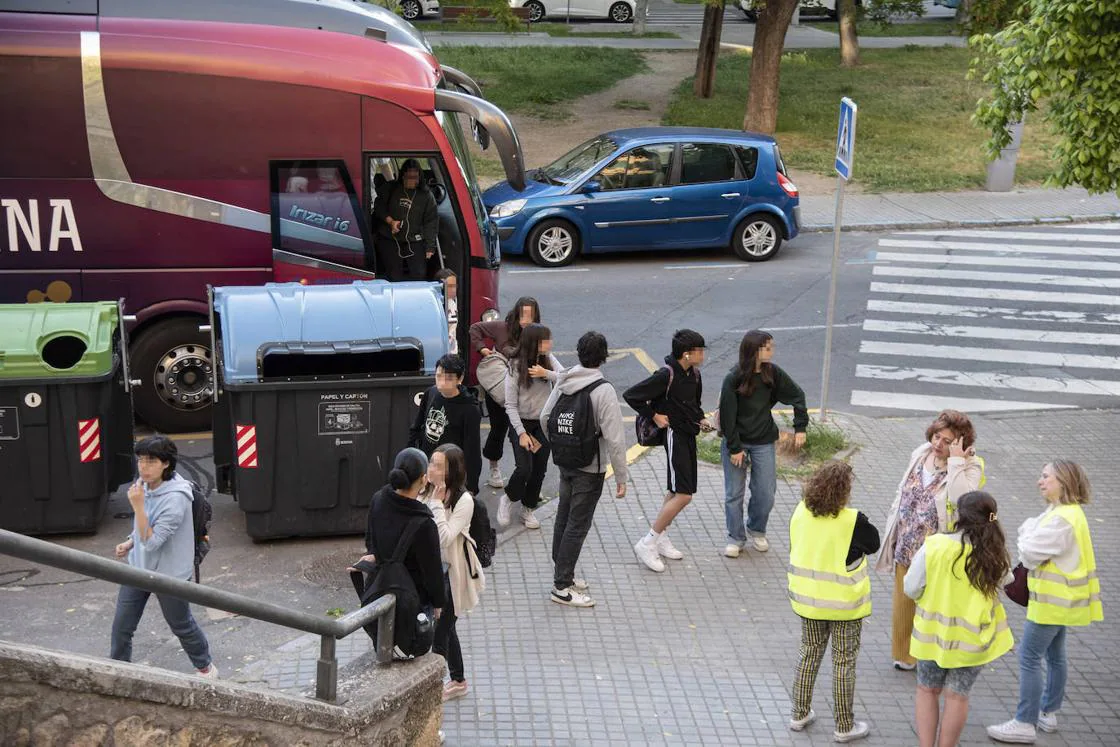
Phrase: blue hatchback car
pixel 652 188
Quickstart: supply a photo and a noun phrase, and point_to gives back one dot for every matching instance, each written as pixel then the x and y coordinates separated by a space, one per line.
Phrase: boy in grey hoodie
pixel 162 541
pixel 581 488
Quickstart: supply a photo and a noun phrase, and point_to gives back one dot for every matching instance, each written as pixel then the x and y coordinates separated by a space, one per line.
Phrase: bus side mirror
pixel 481 136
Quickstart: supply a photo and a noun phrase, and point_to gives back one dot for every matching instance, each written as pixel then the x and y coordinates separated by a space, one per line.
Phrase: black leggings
pixel 524 485
pixel 499 426
pixel 392 266
pixel 446 642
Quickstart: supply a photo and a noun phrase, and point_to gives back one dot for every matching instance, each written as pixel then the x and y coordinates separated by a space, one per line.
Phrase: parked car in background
pixel 651 188
pixel 619 11
pixel 808 8
pixel 414 10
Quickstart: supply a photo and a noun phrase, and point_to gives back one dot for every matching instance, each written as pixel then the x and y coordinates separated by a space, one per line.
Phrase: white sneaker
pixel 732 550
pixel 647 553
pixel 903 666
pixel 571 597
pixel 495 480
pixel 859 730
pixel 529 520
pixel 504 506
pixel 1048 722
pixel 797 724
pixel 760 542
pixel 1013 732
pixel 210 673
pixel 580 584
pixel 665 548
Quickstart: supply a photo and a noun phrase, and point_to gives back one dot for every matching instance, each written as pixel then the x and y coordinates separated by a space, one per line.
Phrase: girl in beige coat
pixel 452 509
pixel 940 472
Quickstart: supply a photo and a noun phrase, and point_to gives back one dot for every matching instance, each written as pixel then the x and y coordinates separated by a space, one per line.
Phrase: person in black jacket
pixel 391 511
pixel 671 396
pixel 750 437
pixel 407 224
pixel 450 414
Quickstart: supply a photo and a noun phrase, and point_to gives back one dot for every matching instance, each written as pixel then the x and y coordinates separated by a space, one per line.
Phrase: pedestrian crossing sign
pixel 846 138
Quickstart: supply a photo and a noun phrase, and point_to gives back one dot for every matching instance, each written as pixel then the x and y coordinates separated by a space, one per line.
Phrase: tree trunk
pixel 641 10
pixel 708 53
pixel 766 59
pixel 964 13
pixel 849 38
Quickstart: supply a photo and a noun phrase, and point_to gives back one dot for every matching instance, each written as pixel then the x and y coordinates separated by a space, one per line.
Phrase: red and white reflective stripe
pixel 246 445
pixel 89 440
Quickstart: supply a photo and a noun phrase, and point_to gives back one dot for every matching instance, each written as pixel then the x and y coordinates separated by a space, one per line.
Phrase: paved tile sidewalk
pixel 938 209
pixel 704 653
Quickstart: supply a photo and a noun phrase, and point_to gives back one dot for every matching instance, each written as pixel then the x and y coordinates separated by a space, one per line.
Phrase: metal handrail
pixel 326 680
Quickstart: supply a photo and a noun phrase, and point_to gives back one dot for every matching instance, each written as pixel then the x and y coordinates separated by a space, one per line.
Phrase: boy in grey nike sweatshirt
pixel 581 488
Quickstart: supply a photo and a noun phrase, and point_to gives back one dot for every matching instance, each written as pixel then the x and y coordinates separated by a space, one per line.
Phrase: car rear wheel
pixel 411 10
pixel 757 238
pixel 621 13
pixel 554 243
pixel 536 11
pixel 175 366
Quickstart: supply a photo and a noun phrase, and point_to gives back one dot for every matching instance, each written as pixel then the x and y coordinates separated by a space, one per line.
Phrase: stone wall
pixel 53 698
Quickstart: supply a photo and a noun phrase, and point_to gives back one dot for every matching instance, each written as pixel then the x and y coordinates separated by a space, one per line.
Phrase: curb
pixel 912 225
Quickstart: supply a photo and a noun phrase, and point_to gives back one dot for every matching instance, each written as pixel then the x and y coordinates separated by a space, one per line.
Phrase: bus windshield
pixel 454 131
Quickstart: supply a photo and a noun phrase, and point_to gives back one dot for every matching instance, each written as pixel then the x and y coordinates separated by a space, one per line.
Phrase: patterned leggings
pixel 845 647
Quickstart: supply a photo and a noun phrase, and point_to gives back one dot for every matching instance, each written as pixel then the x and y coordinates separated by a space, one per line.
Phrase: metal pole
pixel 326 671
pixel 386 625
pixel 832 297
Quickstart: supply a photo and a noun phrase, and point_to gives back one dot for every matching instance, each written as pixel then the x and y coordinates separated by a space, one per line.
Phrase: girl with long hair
pixel 532 371
pixel 750 436
pixel 959 623
pixel 452 508
pixel 501 337
pixel 1057 551
pixel 941 470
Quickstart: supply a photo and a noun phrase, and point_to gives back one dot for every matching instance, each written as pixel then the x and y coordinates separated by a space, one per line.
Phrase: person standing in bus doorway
pixel 504 337
pixel 671 399
pixel 162 541
pixel 407 226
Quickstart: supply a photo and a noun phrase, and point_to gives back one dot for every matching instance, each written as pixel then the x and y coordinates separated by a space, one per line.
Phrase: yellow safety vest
pixel 956 625
pixel 820 586
pixel 1060 598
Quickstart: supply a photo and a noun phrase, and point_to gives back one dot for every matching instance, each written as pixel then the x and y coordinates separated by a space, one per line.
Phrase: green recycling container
pixel 65 415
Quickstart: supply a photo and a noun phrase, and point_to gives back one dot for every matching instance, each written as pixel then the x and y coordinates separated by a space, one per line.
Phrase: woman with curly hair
pixel 959 624
pixel 830 590
pixel 941 470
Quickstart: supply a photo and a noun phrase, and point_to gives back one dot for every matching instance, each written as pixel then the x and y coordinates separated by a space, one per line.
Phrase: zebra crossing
pixel 992 320
pixel 686 15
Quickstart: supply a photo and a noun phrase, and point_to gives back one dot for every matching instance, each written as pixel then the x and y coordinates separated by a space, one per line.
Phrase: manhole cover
pixel 330 571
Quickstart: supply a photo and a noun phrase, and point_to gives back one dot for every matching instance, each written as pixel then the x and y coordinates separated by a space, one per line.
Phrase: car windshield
pixel 578 160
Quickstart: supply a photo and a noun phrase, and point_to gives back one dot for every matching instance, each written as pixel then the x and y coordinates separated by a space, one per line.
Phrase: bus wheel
pixel 554 243
pixel 175 366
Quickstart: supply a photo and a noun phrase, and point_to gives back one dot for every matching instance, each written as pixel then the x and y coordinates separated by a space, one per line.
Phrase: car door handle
pixel 659 199
pixel 729 195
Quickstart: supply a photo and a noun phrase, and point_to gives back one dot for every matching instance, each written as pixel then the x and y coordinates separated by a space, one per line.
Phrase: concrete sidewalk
pixel 705 653
pixel 947 209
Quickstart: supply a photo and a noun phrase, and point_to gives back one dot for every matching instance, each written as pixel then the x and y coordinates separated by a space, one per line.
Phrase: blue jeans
pixel 1038 641
pixel 761 461
pixel 177 613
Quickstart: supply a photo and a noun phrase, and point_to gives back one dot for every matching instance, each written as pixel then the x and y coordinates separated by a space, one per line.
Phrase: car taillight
pixel 789 187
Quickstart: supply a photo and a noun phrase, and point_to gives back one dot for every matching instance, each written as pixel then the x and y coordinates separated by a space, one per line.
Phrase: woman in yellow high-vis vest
pixel 959 623
pixel 830 589
pixel 1057 550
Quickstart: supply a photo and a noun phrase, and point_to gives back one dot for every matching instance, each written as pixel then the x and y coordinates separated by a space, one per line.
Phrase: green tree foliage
pixel 987 16
pixel 881 11
pixel 1066 54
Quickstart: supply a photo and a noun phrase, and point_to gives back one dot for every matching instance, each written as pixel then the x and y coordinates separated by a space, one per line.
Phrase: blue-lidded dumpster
pixel 65 415
pixel 317 388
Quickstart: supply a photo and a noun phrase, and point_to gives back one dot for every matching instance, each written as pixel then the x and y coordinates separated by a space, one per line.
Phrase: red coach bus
pixel 146 158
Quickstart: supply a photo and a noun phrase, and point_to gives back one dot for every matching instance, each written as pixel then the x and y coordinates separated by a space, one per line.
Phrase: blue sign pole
pixel 845 147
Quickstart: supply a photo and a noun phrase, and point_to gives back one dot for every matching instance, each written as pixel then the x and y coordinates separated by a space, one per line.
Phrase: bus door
pixel 319 233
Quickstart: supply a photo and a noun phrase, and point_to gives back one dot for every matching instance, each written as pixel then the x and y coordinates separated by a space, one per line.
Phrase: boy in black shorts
pixel 671 396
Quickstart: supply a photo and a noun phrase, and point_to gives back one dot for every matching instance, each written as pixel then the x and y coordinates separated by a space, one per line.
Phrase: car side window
pixel 706 162
pixel 748 160
pixel 639 168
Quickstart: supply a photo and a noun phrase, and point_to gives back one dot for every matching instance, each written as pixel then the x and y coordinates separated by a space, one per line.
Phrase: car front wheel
pixel 554 243
pixel 536 11
pixel 411 10
pixel 621 13
pixel 757 238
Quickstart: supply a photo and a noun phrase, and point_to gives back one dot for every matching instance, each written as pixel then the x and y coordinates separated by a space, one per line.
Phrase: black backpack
pixel 201 515
pixel 483 534
pixel 390 576
pixel 573 433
